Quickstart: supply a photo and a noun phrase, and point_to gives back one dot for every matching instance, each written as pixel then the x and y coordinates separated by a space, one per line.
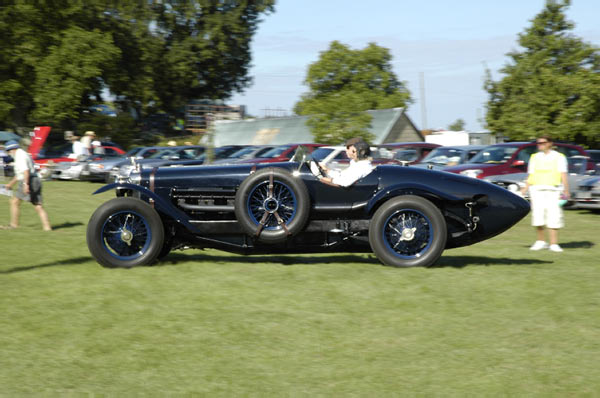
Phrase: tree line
pixel 60 57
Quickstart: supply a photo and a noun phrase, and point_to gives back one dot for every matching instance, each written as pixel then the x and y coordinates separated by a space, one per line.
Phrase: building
pixel 387 126
pixel 198 113
pixel 448 137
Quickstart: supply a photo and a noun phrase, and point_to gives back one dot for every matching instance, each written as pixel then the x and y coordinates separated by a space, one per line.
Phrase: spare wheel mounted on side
pixel 272 205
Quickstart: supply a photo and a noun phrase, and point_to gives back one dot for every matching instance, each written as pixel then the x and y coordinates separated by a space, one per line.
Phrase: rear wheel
pixel 125 232
pixel 408 231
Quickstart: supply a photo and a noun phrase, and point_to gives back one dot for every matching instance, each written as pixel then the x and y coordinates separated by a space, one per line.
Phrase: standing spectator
pixel 29 186
pixel 87 139
pixel 546 180
pixel 78 149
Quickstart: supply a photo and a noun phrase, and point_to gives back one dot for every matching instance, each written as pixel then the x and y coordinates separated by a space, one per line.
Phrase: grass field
pixel 491 319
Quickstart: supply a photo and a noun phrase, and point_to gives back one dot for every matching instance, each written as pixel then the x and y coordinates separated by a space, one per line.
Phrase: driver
pixel 358 152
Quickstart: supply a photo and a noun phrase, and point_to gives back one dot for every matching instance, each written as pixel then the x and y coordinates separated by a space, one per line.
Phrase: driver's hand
pixel 323 166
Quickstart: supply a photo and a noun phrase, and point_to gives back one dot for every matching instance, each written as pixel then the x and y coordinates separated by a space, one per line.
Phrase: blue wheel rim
pixel 408 234
pixel 263 203
pixel 126 235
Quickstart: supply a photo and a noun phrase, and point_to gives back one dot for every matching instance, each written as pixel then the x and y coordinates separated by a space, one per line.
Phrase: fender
pixel 159 203
pixel 408 188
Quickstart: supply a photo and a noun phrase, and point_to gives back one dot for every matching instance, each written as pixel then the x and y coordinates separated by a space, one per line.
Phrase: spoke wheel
pixel 125 232
pixel 408 231
pixel 272 205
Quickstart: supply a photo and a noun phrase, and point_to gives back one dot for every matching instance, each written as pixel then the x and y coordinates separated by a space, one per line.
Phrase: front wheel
pixel 125 232
pixel 408 231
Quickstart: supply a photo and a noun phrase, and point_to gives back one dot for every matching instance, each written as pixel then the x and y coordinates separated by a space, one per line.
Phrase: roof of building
pixel 284 130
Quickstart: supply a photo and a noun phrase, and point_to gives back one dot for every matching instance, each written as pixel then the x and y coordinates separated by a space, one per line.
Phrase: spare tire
pixel 272 205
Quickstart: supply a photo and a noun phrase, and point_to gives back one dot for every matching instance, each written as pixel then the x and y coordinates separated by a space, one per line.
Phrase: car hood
pixel 471 166
pixel 590 181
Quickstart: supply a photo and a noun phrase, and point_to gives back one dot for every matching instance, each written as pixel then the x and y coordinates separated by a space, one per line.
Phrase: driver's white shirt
pixel 354 172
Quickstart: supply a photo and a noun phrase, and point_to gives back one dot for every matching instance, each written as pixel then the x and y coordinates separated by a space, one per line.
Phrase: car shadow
pixel 66 225
pixel 444 261
pixel 174 258
pixel 70 261
pixel 466 261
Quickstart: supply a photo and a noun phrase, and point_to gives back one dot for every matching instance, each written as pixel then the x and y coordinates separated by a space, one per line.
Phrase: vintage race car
pixel 406 216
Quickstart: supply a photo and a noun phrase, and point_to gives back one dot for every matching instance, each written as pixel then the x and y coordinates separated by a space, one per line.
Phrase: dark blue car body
pixel 407 216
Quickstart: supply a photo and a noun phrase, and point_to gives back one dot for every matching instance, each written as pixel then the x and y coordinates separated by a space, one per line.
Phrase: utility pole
pixel 423 104
pixel 210 130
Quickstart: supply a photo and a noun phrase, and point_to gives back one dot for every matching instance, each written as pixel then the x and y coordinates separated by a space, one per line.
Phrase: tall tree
pixel 344 83
pixel 58 57
pixel 552 86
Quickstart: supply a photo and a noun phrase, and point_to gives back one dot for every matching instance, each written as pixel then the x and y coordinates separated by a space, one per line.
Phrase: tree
pixel 458 125
pixel 60 57
pixel 344 83
pixel 552 86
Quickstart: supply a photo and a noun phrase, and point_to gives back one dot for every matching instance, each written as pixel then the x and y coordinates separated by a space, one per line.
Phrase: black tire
pixel 124 233
pixel 408 231
pixel 283 207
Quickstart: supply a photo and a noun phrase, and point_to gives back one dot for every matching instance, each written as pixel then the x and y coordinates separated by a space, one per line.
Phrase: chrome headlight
pixel 125 170
pixel 135 178
pixel 473 173
pixel 96 166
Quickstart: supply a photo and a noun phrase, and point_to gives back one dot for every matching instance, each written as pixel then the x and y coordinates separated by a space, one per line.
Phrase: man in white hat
pixel 29 186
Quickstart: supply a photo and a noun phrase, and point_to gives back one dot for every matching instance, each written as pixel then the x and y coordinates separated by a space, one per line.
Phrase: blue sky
pixel 449 42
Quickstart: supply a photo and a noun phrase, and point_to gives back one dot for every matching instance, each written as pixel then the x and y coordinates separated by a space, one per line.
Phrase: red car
pixel 281 153
pixel 45 155
pixel 507 158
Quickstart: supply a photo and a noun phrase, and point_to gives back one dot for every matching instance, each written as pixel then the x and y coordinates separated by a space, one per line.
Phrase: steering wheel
pixel 316 169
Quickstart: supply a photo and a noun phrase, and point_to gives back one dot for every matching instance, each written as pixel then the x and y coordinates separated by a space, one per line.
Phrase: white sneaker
pixel 539 245
pixel 555 248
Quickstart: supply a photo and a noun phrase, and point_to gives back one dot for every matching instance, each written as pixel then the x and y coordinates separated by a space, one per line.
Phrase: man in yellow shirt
pixel 546 181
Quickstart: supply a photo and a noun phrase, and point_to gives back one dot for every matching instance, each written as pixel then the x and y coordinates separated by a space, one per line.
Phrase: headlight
pixel 96 166
pixel 135 178
pixel 474 173
pixel 125 170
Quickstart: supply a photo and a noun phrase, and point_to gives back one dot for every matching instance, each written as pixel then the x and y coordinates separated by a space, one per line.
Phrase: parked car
pixel 281 153
pixel 407 152
pixel 6 164
pixel 406 216
pixel 577 172
pixel 594 155
pixel 159 158
pixel 446 156
pixel 75 170
pixel 100 170
pixel 335 156
pixel 244 153
pixel 508 158
pixel 587 193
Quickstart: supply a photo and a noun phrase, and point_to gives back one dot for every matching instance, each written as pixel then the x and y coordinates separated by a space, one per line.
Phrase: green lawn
pixel 492 319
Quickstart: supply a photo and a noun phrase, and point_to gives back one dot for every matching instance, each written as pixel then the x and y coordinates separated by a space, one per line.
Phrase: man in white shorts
pixel 546 181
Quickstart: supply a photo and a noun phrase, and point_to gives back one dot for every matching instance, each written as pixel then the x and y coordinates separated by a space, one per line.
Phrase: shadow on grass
pixel 573 245
pixel 444 261
pixel 71 261
pixel 174 258
pixel 465 261
pixel 67 225
pixel 577 245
